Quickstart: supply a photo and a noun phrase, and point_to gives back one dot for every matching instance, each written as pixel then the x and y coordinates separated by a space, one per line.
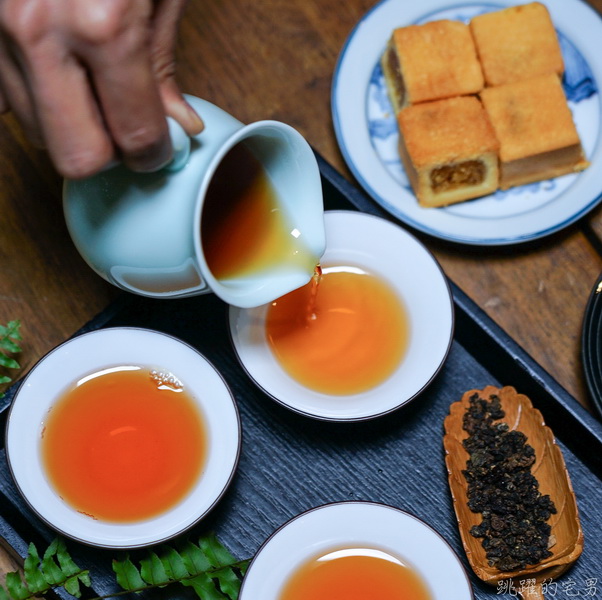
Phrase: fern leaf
pixel 9 335
pixel 9 363
pixel 243 565
pixel 215 552
pixel 128 576
pixel 72 587
pixel 207 567
pixel 42 575
pixel 11 330
pixel 51 571
pixel 72 573
pixel 34 578
pixel 229 582
pixel 15 586
pixel 204 587
pixel 174 564
pixel 66 563
pixel 153 571
pixel 194 558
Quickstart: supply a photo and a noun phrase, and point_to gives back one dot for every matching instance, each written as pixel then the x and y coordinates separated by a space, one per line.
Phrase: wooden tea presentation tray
pixel 290 463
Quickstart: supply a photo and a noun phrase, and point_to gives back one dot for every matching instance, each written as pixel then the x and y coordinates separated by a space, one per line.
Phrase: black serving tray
pixel 290 463
pixel 591 345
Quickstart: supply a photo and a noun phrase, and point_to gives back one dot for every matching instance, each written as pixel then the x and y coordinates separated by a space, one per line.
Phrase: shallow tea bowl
pixel 93 352
pixel 392 254
pixel 352 525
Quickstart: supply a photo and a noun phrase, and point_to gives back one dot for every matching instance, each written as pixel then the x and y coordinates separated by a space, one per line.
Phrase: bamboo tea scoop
pixel 566 538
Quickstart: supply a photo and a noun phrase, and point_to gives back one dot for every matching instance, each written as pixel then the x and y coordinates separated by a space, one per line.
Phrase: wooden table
pixel 275 60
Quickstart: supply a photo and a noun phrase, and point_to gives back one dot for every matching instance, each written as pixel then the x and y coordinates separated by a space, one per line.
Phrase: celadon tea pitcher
pixel 239 212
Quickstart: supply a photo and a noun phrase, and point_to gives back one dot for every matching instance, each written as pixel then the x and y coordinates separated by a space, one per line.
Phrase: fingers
pixel 166 17
pixel 116 52
pixel 73 127
pixel 94 79
pixel 48 91
pixel 15 95
pixel 133 111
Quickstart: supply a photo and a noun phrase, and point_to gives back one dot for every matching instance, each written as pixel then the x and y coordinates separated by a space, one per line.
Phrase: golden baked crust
pixel 534 124
pixel 449 150
pixel 431 61
pixel 517 43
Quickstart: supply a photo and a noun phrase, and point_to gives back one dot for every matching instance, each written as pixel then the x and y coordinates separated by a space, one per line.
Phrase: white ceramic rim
pixel 116 346
pixel 577 21
pixel 385 249
pixel 355 524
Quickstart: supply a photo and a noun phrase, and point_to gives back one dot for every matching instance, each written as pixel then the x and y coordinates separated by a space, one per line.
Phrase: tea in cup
pixel 352 550
pixel 362 341
pixel 123 437
pixel 239 213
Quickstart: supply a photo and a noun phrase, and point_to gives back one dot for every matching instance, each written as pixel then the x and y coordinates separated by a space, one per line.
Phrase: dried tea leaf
pixel 549 469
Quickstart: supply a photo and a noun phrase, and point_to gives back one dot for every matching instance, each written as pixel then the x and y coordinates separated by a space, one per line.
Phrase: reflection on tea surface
pixel 124 444
pixel 344 332
pixel 243 228
pixel 355 574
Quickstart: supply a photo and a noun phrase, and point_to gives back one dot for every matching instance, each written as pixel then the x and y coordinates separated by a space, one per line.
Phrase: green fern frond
pixel 9 336
pixel 207 567
pixel 40 575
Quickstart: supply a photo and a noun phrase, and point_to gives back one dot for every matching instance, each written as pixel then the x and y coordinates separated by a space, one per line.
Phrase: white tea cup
pixel 142 231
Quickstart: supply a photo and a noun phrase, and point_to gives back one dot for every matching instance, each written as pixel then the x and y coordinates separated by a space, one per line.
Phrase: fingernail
pixel 188 118
pixel 196 122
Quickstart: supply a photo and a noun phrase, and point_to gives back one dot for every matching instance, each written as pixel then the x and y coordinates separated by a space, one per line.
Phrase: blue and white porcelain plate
pixel 367 132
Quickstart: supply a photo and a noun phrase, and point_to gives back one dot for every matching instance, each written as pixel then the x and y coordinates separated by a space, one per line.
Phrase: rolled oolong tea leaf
pixel 514 528
pixel 566 538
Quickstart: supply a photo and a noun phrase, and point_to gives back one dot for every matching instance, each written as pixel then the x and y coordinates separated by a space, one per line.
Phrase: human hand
pixel 93 80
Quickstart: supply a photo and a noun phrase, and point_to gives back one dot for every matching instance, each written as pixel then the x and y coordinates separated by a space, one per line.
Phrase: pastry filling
pixel 395 74
pixel 451 177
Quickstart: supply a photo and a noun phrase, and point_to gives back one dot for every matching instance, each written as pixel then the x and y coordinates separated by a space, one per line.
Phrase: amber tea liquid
pixel 120 446
pixel 343 333
pixel 355 574
pixel 243 228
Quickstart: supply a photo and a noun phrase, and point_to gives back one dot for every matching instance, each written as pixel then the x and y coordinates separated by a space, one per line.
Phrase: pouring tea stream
pixel 155 234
